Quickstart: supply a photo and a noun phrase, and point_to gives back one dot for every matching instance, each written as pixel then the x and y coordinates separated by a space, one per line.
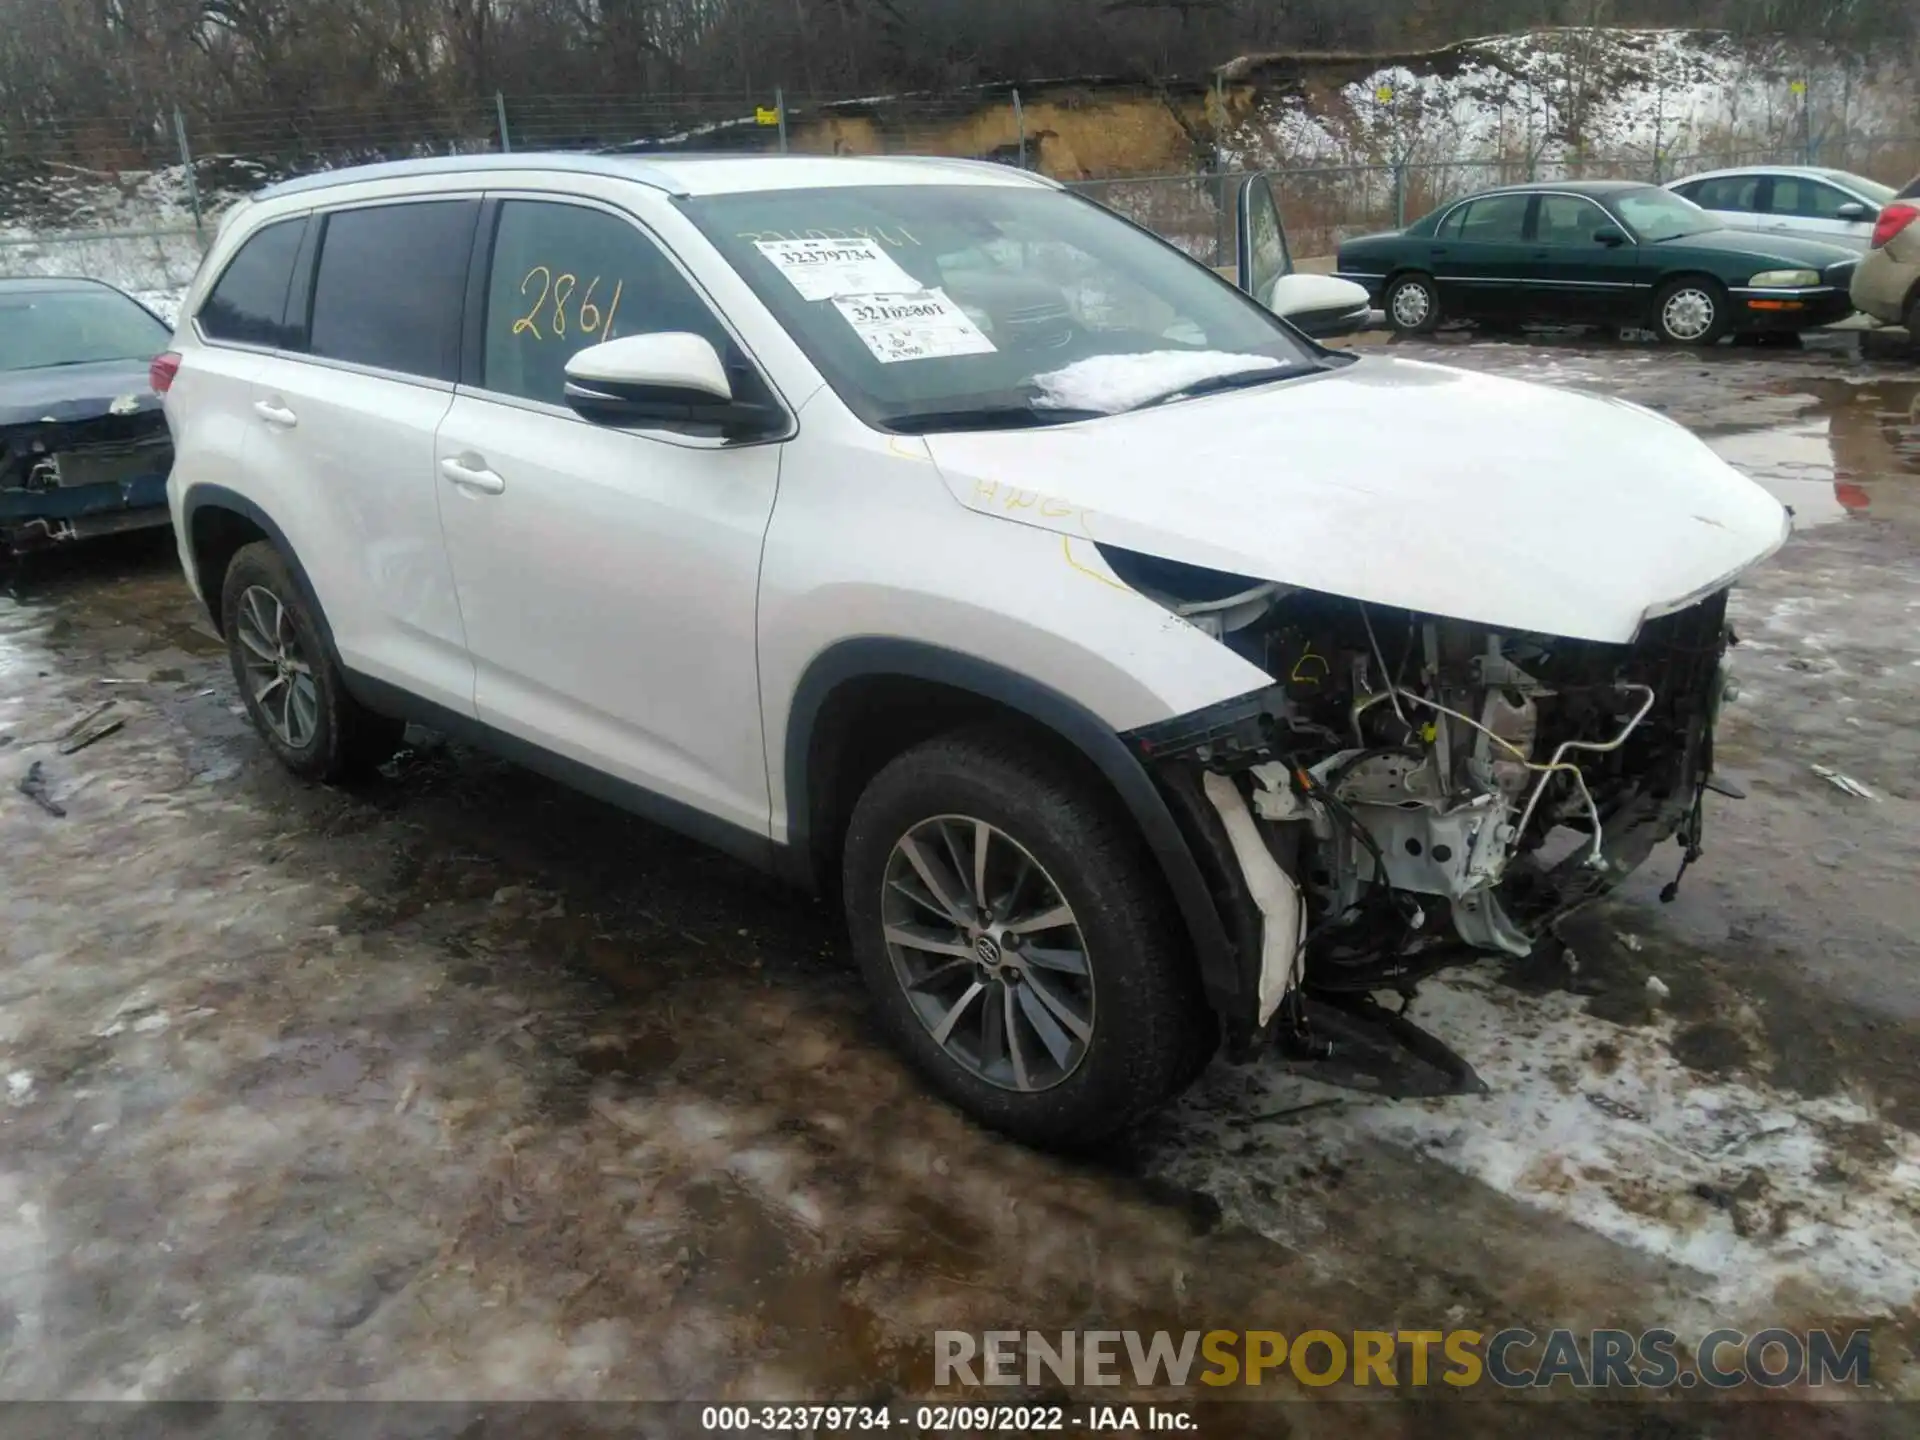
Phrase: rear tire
pixel 291 687
pixel 1692 310
pixel 1413 304
pixel 1058 1052
pixel 1913 328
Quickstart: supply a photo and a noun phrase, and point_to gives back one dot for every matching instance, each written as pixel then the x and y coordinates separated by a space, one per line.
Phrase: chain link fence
pixel 134 198
pixel 1325 205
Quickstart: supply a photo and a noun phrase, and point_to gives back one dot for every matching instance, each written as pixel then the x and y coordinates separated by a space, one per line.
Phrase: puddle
pixel 1847 448
pixel 1795 464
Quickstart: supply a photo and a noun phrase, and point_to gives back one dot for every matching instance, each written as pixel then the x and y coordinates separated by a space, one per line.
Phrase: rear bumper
pixel 1882 286
pixel 33 519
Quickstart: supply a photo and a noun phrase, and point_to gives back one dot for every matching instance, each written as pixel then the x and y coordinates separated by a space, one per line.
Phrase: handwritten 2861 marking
pixel 587 317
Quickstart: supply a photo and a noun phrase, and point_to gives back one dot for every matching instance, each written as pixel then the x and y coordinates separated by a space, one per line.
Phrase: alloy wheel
pixel 988 952
pixel 1688 314
pixel 279 675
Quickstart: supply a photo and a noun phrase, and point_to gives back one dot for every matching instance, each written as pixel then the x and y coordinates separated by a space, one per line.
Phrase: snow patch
pixel 1560 94
pixel 1119 382
pixel 1756 1190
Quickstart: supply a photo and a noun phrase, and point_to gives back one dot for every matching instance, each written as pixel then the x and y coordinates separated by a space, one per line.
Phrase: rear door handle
pixel 276 414
pixel 472 477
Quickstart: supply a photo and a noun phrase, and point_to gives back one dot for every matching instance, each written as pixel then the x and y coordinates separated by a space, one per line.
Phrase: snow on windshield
pixel 1119 382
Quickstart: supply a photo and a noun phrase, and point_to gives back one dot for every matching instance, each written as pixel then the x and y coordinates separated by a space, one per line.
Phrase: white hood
pixel 1398 483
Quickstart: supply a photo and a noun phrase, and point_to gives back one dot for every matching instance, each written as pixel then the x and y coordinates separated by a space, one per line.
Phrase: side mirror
pixel 1610 236
pixel 1320 305
pixel 667 380
pixel 1260 251
pixel 1853 210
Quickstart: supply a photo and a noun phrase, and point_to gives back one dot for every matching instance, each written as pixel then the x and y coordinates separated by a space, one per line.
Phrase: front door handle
pixel 275 414
pixel 472 477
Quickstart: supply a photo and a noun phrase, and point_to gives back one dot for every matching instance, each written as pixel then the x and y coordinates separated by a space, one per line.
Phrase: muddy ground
pixel 465 1086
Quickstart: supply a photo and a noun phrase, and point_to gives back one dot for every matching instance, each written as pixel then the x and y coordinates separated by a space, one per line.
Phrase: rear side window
pixel 1499 219
pixel 389 288
pixel 248 304
pixel 1739 194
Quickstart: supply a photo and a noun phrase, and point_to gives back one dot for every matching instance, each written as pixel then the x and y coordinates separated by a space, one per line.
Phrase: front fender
pixel 854 660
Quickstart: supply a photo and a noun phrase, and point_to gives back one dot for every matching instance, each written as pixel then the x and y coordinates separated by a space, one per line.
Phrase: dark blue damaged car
pixel 84 448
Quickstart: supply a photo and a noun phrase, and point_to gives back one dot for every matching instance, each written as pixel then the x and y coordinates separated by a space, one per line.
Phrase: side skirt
pixel 755 849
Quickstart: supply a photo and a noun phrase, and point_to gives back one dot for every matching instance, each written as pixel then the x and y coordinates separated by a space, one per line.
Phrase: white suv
pixel 936 537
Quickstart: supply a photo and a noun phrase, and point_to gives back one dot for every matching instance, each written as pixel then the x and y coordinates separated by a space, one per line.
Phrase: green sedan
pixel 1598 252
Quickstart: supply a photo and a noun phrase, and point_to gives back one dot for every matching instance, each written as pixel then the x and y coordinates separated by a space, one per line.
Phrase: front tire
pixel 1018 943
pixel 1692 311
pixel 1413 305
pixel 293 691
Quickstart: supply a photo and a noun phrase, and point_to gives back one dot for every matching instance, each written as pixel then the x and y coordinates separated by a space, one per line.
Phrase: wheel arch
pixel 864 691
pixel 218 522
pixel 1912 299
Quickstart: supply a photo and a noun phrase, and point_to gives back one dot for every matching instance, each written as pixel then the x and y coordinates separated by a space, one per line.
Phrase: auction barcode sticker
pixel 828 269
pixel 924 325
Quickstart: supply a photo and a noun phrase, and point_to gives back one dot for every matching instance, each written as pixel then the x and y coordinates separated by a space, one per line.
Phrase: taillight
pixel 161 372
pixel 1893 220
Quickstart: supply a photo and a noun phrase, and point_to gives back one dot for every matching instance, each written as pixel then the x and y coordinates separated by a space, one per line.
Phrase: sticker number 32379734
pixel 920 326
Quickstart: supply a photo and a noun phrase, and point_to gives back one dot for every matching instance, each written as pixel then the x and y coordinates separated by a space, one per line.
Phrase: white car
pixel 1806 201
pixel 935 537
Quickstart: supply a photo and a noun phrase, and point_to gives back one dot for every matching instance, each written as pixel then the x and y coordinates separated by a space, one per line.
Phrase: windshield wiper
pixel 1237 380
pixel 988 417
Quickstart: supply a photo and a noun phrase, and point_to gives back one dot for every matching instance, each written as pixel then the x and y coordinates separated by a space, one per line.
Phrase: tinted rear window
pixel 1496 220
pixel 390 285
pixel 249 303
pixel 1912 191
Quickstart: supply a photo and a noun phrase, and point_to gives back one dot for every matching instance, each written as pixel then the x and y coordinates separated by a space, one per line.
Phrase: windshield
pixel 980 306
pixel 75 327
pixel 1657 215
pixel 1872 189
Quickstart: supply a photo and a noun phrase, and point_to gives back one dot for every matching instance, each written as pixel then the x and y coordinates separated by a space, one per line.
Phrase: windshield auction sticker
pixel 829 269
pixel 921 326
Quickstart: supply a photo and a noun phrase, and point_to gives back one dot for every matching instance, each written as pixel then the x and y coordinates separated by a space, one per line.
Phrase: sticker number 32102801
pixel 920 326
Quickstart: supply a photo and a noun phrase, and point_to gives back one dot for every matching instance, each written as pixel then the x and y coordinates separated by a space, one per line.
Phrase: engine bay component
pixel 1439 789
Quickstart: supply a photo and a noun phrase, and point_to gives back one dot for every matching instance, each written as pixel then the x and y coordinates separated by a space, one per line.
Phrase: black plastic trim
pixel 473 337
pixel 296 311
pixel 218 497
pixel 753 847
pixel 1215 953
pixel 880 656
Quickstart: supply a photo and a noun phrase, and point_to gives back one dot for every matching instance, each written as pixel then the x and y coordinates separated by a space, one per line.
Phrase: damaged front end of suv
pixel 1412 790
pixel 1471 685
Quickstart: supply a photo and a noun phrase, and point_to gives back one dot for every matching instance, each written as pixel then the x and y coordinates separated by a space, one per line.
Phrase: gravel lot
pixel 465 1086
